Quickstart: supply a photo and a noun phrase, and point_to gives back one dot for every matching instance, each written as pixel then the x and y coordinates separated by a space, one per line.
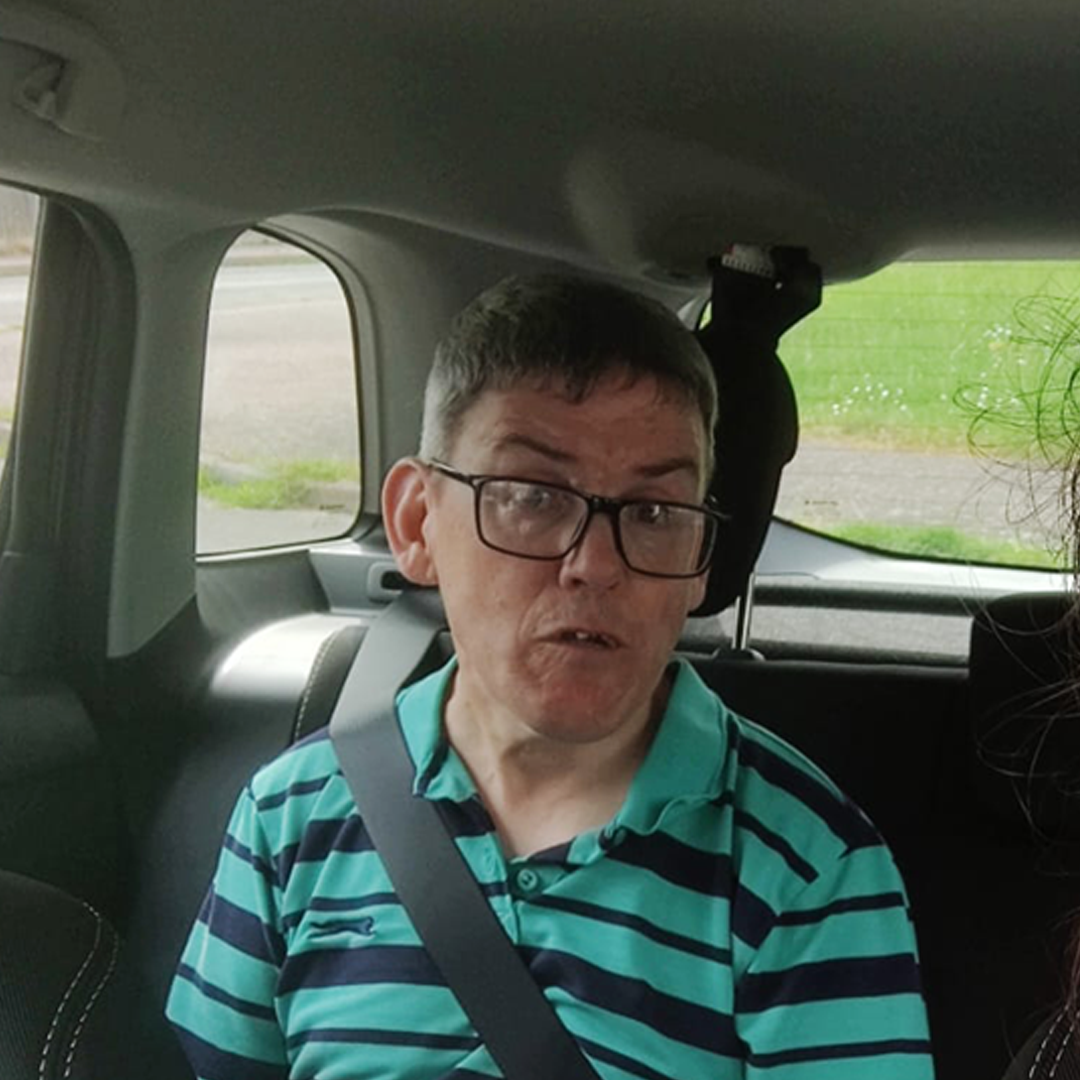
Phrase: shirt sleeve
pixel 222 998
pixel 834 992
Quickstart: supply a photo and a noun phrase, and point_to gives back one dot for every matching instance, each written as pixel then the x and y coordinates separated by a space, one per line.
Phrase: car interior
pixel 230 237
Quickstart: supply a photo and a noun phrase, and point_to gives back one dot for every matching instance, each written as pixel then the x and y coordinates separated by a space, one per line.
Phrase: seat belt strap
pixel 459 930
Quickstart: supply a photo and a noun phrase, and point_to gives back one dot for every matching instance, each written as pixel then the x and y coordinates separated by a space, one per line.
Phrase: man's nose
pixel 595 560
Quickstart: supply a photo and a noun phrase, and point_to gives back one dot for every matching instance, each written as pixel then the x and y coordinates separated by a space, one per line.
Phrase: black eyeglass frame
pixel 595 504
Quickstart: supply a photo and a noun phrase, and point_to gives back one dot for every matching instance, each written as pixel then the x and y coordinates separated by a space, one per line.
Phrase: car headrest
pixel 1025 702
pixel 757 295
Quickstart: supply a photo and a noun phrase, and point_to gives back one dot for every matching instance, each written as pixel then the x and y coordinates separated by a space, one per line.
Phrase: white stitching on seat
pixel 77 1033
pixel 320 659
pixel 1042 1048
pixel 98 924
pixel 1064 1046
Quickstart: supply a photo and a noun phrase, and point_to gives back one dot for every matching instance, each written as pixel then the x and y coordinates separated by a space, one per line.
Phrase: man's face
pixel 575 649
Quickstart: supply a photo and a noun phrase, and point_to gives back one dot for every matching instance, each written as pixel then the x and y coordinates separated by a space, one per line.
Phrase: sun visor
pixel 757 294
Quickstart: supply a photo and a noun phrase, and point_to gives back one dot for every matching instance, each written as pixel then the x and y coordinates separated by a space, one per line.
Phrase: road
pixel 13 289
pixel 829 485
pixel 279 377
pixel 279 381
pixel 280 387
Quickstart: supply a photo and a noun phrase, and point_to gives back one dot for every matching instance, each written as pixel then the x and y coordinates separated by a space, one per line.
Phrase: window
pixel 931 399
pixel 18 222
pixel 279 459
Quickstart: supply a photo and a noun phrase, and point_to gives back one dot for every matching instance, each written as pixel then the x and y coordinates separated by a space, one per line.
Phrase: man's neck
pixel 541 792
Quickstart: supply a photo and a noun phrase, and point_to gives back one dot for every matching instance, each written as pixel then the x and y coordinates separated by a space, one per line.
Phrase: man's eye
pixel 532 498
pixel 654 515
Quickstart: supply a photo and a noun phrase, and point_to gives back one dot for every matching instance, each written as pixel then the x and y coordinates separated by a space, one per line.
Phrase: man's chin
pixel 587 714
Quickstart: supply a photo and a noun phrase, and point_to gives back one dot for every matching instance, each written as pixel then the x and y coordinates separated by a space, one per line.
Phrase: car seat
pixel 67 1008
pixel 994 890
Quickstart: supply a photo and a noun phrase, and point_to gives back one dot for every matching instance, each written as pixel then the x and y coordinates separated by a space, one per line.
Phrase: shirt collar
pixel 684 765
pixel 682 768
pixel 440 773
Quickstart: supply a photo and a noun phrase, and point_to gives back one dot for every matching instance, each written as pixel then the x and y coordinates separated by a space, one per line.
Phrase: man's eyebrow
pixel 526 442
pixel 650 470
pixel 670 465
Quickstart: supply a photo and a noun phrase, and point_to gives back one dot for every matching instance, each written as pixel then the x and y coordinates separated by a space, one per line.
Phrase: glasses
pixel 546 521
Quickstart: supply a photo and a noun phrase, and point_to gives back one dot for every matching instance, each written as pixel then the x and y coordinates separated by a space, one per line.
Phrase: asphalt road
pixel 829 485
pixel 279 376
pixel 13 289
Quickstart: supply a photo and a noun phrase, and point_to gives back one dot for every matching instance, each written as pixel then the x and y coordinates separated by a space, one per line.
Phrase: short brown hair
pixel 564 332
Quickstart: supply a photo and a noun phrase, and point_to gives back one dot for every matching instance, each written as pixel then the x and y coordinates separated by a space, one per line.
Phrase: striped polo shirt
pixel 738 917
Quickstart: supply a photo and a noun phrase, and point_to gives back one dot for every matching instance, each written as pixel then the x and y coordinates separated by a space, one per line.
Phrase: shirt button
pixel 528 880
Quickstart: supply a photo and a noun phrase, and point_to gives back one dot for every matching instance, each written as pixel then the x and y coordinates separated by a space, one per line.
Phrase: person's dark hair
pixel 1032 424
pixel 1025 418
pixel 1055 323
pixel 1071 500
pixel 566 333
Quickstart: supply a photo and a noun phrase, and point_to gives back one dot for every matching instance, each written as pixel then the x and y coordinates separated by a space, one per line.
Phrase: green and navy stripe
pixel 737 918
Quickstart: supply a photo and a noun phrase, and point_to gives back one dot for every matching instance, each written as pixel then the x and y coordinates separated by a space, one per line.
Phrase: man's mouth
pixel 580 636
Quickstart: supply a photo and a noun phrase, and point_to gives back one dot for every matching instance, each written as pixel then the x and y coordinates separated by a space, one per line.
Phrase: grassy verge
pixel 280 486
pixel 945 358
pixel 940 542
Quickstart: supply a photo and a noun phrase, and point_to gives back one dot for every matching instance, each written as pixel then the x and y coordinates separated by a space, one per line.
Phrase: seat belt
pixel 456 924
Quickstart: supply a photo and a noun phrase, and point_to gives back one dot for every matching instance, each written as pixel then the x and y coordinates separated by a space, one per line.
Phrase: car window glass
pixel 18 222
pixel 932 398
pixel 279 458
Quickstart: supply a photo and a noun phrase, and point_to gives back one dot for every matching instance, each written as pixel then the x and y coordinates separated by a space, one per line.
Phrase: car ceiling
pixel 631 135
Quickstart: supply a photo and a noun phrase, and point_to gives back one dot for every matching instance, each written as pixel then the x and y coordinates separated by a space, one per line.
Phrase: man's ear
pixel 405 506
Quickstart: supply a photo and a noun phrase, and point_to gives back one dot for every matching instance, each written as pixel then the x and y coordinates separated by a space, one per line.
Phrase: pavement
pixel 15 264
pixel 828 485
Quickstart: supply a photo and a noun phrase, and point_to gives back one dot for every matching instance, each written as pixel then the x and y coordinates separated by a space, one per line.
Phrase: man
pixel 694 898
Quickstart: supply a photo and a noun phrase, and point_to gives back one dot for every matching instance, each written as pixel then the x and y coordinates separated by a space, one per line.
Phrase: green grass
pixel 915 355
pixel 279 486
pixel 940 542
pixel 946 358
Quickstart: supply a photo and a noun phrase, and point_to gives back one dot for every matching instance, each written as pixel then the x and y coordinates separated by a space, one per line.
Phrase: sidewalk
pixel 16 265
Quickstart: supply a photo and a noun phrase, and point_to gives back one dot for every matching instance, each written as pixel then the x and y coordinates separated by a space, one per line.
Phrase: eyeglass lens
pixel 544 522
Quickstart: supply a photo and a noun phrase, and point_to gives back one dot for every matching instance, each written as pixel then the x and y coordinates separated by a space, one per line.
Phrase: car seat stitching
pixel 1061 1050
pixel 305 700
pixel 1033 1071
pixel 77 1033
pixel 54 1026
